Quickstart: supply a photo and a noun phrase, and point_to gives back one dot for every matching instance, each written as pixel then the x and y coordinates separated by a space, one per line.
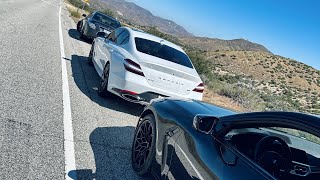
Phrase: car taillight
pixel 128 92
pixel 199 88
pixel 133 67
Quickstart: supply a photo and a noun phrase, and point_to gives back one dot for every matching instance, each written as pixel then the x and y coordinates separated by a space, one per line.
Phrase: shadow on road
pixel 87 79
pixel 76 35
pixel 112 152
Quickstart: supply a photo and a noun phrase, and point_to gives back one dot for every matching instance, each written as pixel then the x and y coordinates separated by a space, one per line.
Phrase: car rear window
pixel 162 51
pixel 106 20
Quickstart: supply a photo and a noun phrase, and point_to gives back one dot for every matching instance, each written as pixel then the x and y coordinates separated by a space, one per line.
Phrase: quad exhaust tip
pixel 131 98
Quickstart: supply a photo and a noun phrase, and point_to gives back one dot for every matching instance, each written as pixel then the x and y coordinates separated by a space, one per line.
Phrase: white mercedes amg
pixel 138 67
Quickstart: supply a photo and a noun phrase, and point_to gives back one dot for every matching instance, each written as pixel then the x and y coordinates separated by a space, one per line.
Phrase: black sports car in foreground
pixel 177 139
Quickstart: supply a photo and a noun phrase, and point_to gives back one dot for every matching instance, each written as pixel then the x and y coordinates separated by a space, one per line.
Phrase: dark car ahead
pixel 177 139
pixel 96 22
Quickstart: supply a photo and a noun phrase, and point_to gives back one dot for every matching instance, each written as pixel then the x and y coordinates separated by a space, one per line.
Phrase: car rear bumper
pixel 142 98
pixel 135 88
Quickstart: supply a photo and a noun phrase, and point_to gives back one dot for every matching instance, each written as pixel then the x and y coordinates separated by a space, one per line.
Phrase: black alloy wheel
pixel 103 86
pixel 143 147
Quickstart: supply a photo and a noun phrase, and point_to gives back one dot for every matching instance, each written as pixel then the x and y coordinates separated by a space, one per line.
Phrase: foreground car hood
pixel 187 109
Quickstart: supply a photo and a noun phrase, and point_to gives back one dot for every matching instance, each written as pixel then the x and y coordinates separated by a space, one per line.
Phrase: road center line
pixel 70 164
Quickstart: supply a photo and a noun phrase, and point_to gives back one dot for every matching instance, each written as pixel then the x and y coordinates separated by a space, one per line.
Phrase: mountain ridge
pixel 132 13
pixel 213 44
pixel 135 15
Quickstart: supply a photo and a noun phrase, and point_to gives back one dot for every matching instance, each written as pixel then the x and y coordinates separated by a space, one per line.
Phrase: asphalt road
pixel 31 109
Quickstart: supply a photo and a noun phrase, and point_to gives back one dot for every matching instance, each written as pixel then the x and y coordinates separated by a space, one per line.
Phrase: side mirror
pixel 84 15
pixel 101 34
pixel 204 123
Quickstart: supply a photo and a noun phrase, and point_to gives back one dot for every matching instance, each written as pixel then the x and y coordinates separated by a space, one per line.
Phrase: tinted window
pixel 115 35
pixel 106 20
pixel 162 51
pixel 121 39
pixel 111 36
pixel 126 40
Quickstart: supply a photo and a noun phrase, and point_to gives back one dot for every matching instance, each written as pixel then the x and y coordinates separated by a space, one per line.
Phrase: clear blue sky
pixel 290 28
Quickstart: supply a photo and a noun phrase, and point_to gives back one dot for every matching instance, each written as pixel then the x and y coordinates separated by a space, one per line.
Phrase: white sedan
pixel 138 67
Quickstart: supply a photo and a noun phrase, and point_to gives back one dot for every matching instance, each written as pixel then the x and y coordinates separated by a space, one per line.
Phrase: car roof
pixel 142 34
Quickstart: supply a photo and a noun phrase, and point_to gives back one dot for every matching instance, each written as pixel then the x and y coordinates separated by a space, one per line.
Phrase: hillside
pixel 262 81
pixel 134 14
pixel 213 44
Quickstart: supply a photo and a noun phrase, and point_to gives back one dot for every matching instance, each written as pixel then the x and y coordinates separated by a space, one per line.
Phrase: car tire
pixel 90 56
pixel 79 26
pixel 82 36
pixel 103 86
pixel 143 150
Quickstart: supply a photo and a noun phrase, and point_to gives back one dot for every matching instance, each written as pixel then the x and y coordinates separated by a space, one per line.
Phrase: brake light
pixel 199 88
pixel 128 92
pixel 133 67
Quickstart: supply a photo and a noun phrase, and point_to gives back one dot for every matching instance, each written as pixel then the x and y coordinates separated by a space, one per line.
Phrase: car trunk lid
pixel 167 75
pixel 103 27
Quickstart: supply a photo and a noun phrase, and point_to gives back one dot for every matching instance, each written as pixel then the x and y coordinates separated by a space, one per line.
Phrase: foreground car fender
pixel 182 152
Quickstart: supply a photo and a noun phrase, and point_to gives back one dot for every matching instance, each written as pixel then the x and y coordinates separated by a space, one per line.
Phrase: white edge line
pixel 70 164
pixel 194 168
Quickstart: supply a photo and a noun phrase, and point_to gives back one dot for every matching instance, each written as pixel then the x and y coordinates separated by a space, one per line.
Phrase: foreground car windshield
pixel 106 20
pixel 162 51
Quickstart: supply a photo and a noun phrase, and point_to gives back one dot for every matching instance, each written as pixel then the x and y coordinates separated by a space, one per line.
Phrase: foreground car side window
pixel 162 51
pixel 299 133
pixel 285 153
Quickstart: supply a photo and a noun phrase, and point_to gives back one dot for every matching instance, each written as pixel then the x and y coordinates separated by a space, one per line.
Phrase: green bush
pixel 249 99
pixel 272 82
pixel 108 12
pixel 75 13
pixel 316 106
pixel 76 3
pixel 79 4
pixel 202 65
